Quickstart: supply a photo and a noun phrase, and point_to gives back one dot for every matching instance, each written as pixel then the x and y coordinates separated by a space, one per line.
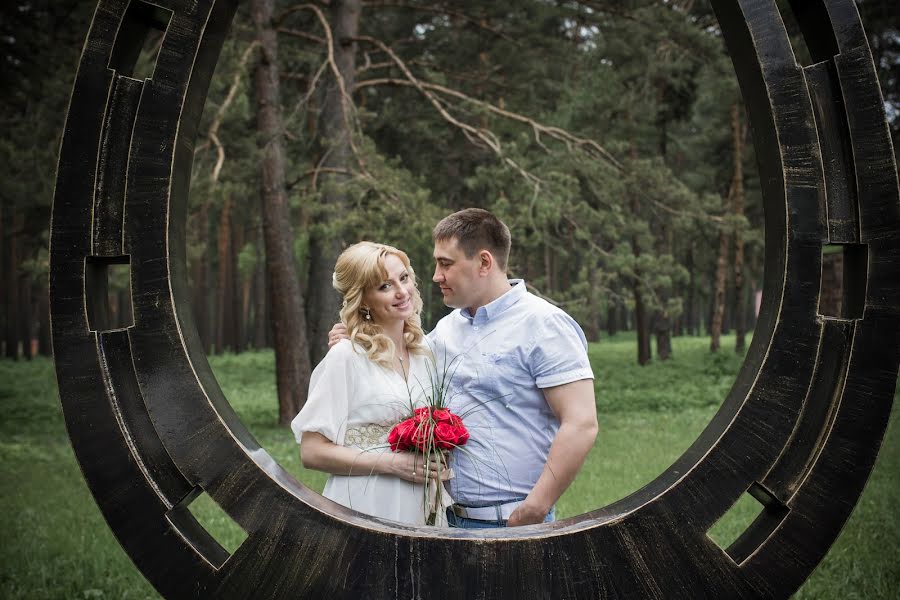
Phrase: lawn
pixel 56 544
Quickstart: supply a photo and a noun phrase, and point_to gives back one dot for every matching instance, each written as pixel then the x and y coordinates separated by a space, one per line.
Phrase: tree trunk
pixel 729 303
pixel 755 275
pixel 260 297
pixel 593 324
pixel 712 297
pixel 662 321
pixel 4 295
pixel 612 317
pixel 571 262
pixel 292 366
pixel 718 299
pixel 739 310
pixel 663 329
pixel 26 315
pixel 641 319
pixel 224 281
pixel 335 132
pixel 201 279
pixel 4 299
pixel 44 345
pixel 641 326
pixel 246 302
pixel 11 284
pixel 678 322
pixel 239 289
pixel 689 316
pixel 268 323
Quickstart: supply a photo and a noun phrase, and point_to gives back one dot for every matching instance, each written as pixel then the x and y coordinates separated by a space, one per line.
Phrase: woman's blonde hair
pixel 359 269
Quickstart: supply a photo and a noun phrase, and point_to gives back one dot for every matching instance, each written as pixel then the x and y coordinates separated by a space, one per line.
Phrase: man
pixel 522 380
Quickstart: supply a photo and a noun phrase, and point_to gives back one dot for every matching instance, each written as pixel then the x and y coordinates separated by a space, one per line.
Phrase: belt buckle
pixel 458 510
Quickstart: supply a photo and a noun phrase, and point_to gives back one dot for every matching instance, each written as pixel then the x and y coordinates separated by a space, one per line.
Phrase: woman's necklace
pixel 403 361
pixel 400 356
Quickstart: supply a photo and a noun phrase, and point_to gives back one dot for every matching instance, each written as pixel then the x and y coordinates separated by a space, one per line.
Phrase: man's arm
pixel 574 405
pixel 338 332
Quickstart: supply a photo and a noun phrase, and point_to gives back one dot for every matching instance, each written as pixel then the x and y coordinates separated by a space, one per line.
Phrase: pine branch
pixel 310 89
pixel 571 141
pixel 440 10
pixel 476 135
pixel 301 34
pixel 347 106
pixel 315 173
pixel 212 134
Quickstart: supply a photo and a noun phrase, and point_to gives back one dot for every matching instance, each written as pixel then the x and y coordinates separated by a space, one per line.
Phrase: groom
pixel 523 380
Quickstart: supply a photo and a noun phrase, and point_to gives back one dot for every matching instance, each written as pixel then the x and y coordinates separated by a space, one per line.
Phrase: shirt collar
pixel 492 309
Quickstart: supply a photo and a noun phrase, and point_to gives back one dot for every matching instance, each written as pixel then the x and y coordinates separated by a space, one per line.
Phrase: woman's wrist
pixel 385 463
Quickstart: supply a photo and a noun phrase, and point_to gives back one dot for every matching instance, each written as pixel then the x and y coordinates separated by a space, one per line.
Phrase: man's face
pixel 457 276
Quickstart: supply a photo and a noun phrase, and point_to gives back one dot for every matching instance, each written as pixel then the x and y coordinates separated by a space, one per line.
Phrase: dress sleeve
pixel 559 352
pixel 331 388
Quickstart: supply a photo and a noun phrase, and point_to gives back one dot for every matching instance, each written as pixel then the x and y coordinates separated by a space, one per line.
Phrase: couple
pixel 522 379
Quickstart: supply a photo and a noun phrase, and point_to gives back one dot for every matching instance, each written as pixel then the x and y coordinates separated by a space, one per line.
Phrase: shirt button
pixel 475 328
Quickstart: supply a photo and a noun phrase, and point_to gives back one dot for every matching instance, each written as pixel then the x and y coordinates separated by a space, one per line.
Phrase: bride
pixel 365 385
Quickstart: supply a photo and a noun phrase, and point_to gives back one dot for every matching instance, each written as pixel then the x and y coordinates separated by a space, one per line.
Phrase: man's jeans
pixel 463 523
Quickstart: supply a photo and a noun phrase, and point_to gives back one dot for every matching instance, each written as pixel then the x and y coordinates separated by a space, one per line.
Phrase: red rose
pixel 400 437
pixel 420 414
pixel 442 415
pixel 421 435
pixel 462 434
pixel 446 436
pixel 428 429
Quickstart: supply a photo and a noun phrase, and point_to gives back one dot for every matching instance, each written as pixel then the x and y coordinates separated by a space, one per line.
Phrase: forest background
pixel 609 135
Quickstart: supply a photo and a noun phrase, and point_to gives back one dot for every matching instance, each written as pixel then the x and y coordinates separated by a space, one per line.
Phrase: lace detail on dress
pixel 367 436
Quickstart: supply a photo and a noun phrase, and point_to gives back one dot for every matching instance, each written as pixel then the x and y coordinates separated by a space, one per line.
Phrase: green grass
pixel 56 544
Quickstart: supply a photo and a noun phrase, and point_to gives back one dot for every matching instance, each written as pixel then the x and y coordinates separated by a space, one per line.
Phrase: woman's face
pixel 392 299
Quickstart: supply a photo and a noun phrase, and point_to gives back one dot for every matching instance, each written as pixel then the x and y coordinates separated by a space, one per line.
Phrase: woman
pixel 365 385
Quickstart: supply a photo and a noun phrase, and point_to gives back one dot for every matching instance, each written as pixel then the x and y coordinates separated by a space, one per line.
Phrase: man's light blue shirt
pixel 508 351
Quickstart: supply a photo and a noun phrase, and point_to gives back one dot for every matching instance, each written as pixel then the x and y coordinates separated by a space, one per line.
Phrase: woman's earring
pixel 368 314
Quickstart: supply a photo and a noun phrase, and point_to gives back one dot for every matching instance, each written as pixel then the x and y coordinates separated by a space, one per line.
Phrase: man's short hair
pixel 476 229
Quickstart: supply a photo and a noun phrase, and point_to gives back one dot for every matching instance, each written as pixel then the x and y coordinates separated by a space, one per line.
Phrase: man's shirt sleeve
pixel 559 352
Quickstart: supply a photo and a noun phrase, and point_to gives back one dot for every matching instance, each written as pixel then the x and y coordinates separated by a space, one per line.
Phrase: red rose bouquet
pixel 428 428
pixel 431 430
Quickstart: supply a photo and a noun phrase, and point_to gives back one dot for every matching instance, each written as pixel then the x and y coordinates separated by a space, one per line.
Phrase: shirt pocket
pixel 506 373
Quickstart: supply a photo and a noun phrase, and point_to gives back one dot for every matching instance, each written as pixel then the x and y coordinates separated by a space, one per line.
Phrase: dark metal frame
pixel 800 429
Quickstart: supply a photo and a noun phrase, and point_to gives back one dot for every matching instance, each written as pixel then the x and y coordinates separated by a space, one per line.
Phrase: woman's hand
pixel 412 466
pixel 319 453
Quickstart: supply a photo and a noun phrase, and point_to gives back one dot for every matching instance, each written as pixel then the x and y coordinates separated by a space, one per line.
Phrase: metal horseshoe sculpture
pixel 800 429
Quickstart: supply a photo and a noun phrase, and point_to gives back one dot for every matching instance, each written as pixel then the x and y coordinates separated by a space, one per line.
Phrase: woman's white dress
pixel 354 402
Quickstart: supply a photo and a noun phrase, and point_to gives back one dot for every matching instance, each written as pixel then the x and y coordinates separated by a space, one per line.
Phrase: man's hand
pixel 573 403
pixel 337 333
pixel 527 514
